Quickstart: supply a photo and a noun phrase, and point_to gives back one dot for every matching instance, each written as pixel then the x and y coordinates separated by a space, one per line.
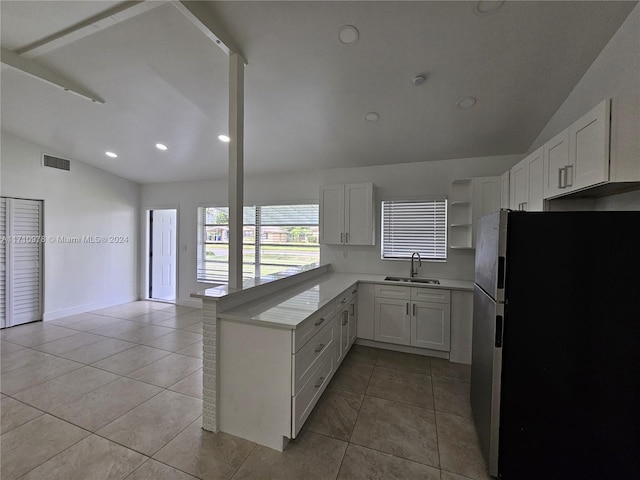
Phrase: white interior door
pixel 163 254
pixel 21 255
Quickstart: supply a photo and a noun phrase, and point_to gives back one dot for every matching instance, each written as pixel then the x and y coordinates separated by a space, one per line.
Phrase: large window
pixel 275 238
pixel 410 226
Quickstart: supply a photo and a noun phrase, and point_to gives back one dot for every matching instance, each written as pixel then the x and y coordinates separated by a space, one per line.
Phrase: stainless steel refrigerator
pixel 555 374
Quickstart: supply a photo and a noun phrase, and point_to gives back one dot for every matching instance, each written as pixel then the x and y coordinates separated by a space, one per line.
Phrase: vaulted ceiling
pixel 306 93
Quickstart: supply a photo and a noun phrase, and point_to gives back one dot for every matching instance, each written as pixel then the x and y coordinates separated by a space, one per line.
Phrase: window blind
pixel 414 226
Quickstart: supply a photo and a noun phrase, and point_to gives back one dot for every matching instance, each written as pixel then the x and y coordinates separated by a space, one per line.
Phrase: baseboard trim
pixel 402 348
pixel 88 307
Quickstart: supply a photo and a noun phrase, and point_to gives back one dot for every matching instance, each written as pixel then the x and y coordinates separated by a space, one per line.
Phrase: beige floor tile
pixel 175 341
pixel 97 351
pixel 15 413
pixel 399 429
pixel 153 317
pixel 116 327
pixel 454 476
pixel 36 333
pixel 92 458
pixel 335 414
pixel 459 447
pixel 403 361
pixel 191 385
pixel 8 347
pixel 68 387
pixel 152 470
pixel 362 463
pixel 193 350
pixel 310 456
pixel 131 360
pixel 36 373
pixel 35 442
pixel 151 425
pixel 195 328
pixel 100 407
pixel 181 309
pixel 69 343
pixel 144 333
pixel 452 396
pixel 204 454
pixel 362 354
pixel 447 369
pixel 352 377
pixel 401 386
pixel 180 322
pixel 22 358
pixel 168 370
pixel 70 320
pixel 90 324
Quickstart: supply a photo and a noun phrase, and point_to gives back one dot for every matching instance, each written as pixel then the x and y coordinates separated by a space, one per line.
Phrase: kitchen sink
pixel 431 281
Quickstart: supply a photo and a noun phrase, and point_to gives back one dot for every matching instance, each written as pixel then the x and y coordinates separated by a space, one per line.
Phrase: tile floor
pixel 117 394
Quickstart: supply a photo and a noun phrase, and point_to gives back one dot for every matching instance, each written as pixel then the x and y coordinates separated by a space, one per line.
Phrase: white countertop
pixel 291 306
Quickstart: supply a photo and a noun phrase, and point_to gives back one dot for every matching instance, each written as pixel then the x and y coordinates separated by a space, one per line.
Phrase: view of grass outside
pixel 281 243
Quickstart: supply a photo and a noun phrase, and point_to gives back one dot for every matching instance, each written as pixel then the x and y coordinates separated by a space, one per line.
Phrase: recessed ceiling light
pixel 372 117
pixel 467 102
pixel 486 7
pixel 224 138
pixel 348 34
pixel 111 154
pixel 161 146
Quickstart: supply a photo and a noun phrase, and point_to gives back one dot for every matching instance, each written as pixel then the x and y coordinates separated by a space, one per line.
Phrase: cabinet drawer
pixel 309 356
pixel 345 297
pixel 312 325
pixel 434 295
pixel 391 291
pixel 308 396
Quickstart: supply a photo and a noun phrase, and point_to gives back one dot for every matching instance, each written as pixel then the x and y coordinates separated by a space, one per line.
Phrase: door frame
pixel 145 248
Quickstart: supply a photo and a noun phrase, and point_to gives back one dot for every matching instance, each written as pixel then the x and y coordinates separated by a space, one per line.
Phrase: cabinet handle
pixel 319 348
pixel 353 309
pixel 317 385
pixel 407 308
pixel 414 309
pixel 568 177
pixel 524 206
pixel 319 321
pixel 346 237
pixel 560 176
pixel 341 237
pixel 354 291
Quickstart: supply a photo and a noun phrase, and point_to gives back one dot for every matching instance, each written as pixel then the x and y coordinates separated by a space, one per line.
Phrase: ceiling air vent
pixel 55 162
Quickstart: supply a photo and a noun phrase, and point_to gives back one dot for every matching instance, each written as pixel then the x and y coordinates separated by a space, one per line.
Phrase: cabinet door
pixel 353 320
pixel 366 314
pixel 358 219
pixel 518 185
pixel 342 334
pixel 332 214
pixel 589 148
pixel 345 333
pixel 504 190
pixel 534 201
pixel 431 325
pixel 555 159
pixel 392 321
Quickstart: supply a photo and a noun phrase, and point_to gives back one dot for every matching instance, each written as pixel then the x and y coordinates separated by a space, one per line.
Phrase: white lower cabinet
pixel 415 316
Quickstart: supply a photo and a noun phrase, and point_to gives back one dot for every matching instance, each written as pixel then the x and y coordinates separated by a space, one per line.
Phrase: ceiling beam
pixel 40 72
pixel 91 25
pixel 204 20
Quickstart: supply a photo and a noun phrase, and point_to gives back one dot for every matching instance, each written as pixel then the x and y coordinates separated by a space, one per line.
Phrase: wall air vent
pixel 55 162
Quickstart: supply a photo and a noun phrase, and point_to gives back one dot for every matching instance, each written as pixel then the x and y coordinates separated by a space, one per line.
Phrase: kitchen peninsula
pixel 272 346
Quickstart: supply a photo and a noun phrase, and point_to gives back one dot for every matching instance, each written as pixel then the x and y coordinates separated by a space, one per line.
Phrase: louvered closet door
pixel 3 260
pixel 23 260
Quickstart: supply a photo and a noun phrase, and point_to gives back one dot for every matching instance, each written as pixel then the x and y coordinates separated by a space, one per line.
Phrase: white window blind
pixel 410 226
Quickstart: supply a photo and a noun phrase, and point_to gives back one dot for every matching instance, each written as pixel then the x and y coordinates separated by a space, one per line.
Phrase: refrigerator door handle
pixel 501 264
pixel 499 326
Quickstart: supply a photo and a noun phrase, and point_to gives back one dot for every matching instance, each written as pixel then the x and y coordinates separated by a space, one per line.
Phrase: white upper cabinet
pixel 526 183
pixel 556 159
pixel 504 190
pixel 589 149
pixel 347 214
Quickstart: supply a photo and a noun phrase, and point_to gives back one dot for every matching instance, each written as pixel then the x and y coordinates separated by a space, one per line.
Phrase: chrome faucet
pixel 414 271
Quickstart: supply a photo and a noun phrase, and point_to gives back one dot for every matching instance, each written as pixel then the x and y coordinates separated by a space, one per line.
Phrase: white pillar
pixel 236 167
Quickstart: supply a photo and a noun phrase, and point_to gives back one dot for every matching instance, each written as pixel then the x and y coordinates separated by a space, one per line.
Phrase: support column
pixel 236 167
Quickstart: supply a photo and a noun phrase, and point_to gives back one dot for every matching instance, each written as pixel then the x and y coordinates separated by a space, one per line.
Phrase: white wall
pixel 614 74
pixel 85 201
pixel 410 179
